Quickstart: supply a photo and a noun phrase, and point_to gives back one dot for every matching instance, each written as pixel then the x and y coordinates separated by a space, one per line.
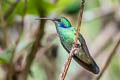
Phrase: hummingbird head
pixel 62 22
pixel 59 22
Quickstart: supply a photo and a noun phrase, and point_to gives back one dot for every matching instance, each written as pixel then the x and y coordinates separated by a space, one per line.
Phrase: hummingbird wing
pixel 84 58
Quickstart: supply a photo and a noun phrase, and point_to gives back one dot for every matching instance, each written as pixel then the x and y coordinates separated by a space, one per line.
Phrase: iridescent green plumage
pixel 67 35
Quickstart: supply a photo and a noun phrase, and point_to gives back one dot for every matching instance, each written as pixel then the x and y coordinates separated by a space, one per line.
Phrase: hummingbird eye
pixel 59 20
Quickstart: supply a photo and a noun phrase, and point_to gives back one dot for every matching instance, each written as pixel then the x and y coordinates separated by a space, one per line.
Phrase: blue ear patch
pixel 62 24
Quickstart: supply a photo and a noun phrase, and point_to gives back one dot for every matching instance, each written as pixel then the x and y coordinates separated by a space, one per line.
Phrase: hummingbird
pixel 67 35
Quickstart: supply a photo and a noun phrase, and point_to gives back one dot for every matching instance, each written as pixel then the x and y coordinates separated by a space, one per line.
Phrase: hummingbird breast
pixel 67 36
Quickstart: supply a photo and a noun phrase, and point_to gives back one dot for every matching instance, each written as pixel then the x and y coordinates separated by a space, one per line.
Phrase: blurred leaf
pixel 72 8
pixel 6 4
pixel 35 7
pixel 62 4
pixel 44 6
pixel 5 55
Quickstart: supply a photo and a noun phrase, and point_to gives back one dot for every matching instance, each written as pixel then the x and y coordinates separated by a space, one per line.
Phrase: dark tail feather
pixel 90 67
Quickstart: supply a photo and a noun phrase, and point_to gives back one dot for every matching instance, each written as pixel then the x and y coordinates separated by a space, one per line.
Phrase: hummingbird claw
pixel 76 51
pixel 77 45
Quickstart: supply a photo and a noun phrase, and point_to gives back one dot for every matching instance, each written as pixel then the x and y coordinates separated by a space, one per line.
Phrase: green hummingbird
pixel 67 35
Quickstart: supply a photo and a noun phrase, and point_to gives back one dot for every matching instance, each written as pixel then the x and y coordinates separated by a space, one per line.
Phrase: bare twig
pixel 22 22
pixel 112 53
pixel 67 63
pixel 35 47
pixel 11 63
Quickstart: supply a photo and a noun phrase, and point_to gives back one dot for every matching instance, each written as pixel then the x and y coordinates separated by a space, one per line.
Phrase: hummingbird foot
pixel 77 45
pixel 76 51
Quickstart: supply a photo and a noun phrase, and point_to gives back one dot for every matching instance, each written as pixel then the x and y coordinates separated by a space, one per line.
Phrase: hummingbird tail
pixel 90 67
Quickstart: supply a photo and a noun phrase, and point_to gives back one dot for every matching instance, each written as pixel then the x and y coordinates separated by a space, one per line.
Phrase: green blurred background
pixel 100 25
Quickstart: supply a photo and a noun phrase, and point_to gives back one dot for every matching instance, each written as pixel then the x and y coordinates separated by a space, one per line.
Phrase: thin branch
pixel 67 63
pixel 112 53
pixel 35 47
pixel 22 23
pixel 11 63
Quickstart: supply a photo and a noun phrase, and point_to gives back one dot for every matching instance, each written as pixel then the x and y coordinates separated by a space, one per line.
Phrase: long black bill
pixel 46 19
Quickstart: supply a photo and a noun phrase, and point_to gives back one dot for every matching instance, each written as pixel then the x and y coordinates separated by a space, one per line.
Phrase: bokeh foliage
pixel 70 8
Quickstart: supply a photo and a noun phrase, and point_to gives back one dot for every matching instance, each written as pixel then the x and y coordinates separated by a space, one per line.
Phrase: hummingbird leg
pixel 77 45
pixel 76 51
